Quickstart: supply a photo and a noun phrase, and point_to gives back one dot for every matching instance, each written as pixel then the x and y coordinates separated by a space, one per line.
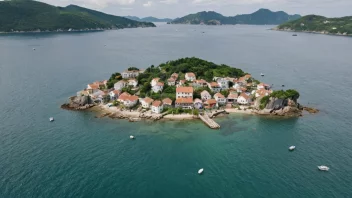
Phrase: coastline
pixel 311 32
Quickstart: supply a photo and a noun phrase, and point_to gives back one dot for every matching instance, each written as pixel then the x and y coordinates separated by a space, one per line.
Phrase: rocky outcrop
pixel 282 107
pixel 78 103
pixel 311 110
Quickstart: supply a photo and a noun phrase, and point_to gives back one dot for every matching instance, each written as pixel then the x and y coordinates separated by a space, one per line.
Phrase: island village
pixel 181 96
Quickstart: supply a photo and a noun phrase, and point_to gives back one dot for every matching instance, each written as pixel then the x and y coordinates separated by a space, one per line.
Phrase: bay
pixel 81 156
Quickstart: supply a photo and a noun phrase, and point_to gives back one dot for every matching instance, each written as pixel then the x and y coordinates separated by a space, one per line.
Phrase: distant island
pixel 187 88
pixel 34 16
pixel 319 24
pixel 148 19
pixel 260 17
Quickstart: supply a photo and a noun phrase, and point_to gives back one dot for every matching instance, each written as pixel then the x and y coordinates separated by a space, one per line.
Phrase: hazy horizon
pixel 179 8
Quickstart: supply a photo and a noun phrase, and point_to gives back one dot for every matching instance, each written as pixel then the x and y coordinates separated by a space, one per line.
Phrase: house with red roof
pixel 214 87
pixel 220 99
pixel 184 92
pixel 167 102
pixel 157 107
pixel 146 102
pixel 185 103
pixel 243 99
pixel 209 104
pixel 190 76
pixel 158 87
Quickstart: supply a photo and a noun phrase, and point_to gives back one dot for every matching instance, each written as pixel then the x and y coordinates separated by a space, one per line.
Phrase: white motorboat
pixel 323 168
pixel 51 119
pixel 261 74
pixel 291 148
pixel 131 137
pixel 200 171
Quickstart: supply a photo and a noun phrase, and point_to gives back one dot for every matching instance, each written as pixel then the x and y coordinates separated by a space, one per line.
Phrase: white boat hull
pixel 200 171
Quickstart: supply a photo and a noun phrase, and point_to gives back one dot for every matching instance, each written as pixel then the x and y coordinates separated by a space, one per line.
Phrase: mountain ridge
pixel 259 17
pixel 29 16
pixel 149 19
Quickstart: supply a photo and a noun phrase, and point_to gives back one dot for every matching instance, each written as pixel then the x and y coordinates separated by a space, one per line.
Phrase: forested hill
pixel 320 24
pixel 28 15
pixel 260 17
pixel 148 19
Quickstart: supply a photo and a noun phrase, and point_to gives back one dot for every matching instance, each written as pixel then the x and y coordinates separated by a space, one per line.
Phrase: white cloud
pixel 148 4
pixel 169 1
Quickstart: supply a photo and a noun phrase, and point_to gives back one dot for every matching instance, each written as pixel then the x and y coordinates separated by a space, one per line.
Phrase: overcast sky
pixel 179 8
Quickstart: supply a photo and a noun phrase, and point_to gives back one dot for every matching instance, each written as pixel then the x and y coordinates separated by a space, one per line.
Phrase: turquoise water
pixel 81 156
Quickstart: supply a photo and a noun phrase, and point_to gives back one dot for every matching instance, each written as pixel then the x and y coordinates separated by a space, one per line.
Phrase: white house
pixel 185 103
pixel 92 88
pixel 214 87
pixel 120 85
pixel 122 97
pixel 154 81
pixel 130 74
pixel 223 83
pixel 232 97
pixel 174 75
pixel 262 92
pixel 133 82
pixel 146 102
pixel 243 99
pixel 114 94
pixel 157 107
pixel 158 87
pixel 263 86
pixel 190 76
pixel 205 95
pixel 220 99
pixel 130 101
pixel 171 81
pixel 200 83
pixel 184 92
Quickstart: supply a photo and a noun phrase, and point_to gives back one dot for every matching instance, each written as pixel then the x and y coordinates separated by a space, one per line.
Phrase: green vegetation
pixel 133 69
pixel 264 101
pixel 260 17
pixel 113 79
pixel 180 111
pixel 288 94
pixel 314 23
pixel 28 15
pixel 201 68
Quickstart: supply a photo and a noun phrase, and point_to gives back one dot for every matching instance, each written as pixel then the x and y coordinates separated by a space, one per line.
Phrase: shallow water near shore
pixel 79 155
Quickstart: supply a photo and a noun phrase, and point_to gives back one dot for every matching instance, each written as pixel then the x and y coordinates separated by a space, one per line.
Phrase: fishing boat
pixel 291 148
pixel 200 171
pixel 131 137
pixel 323 168
pixel 261 74
pixel 51 119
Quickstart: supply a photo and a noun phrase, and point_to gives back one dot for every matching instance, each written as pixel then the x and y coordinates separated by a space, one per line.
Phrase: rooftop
pixel 184 100
pixel 184 89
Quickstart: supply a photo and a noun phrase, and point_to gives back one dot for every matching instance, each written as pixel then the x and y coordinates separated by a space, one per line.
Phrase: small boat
pixel 33 48
pixel 283 85
pixel 261 74
pixel 51 119
pixel 294 34
pixel 323 168
pixel 200 171
pixel 131 137
pixel 291 148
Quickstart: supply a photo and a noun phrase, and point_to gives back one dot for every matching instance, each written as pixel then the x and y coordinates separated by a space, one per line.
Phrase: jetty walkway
pixel 208 121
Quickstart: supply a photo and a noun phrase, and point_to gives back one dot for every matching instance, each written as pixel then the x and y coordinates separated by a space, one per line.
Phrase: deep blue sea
pixel 79 155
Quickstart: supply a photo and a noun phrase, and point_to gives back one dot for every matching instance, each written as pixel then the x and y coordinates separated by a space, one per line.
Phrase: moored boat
pixel 291 148
pixel 51 119
pixel 323 168
pixel 200 171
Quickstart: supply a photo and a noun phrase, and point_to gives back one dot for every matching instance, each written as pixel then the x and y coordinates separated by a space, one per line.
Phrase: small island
pixel 319 25
pixel 187 88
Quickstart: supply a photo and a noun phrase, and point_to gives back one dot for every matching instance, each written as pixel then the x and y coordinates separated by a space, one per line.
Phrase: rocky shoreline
pixel 311 32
